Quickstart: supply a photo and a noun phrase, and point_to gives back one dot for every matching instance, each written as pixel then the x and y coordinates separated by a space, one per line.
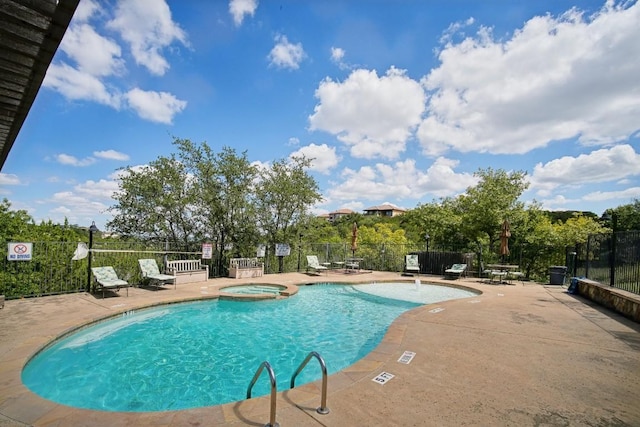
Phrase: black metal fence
pixel 611 259
pixel 51 269
pixel 608 260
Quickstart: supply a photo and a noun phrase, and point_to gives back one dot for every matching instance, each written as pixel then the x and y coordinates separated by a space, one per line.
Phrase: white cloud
pixel 293 141
pixel 324 158
pixel 337 57
pixel 285 54
pixel 95 55
pixel 556 78
pixel 373 115
pixel 85 10
pixel 402 180
pixel 148 28
pixel 111 155
pixel 158 107
pixel 9 179
pixel 67 159
pixel 78 85
pixel 337 54
pixel 75 206
pixel 102 189
pixel 608 164
pixel 629 194
pixel 240 8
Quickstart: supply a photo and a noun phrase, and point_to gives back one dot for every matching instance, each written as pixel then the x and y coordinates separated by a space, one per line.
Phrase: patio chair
pixel 516 275
pixel 456 271
pixel 107 279
pixel 412 264
pixel 314 264
pixel 151 272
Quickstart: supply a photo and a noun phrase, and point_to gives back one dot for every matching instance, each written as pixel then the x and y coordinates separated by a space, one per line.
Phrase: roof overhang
pixel 30 33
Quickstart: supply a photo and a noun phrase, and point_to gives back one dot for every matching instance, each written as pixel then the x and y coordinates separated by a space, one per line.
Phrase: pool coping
pixel 19 406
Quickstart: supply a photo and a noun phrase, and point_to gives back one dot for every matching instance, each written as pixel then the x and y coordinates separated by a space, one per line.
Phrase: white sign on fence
pixel 20 251
pixel 207 250
pixel 283 249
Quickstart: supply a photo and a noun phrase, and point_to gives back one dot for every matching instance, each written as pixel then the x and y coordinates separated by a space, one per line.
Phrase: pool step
pixel 253 290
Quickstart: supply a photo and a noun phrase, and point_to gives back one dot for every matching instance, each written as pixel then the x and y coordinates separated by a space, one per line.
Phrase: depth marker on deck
pixel 407 357
pixel 436 310
pixel 382 377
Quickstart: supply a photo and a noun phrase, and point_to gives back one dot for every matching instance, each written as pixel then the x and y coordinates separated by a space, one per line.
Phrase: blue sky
pixel 397 101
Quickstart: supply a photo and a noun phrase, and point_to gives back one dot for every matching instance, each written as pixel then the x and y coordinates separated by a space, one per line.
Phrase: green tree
pixel 14 224
pixel 223 187
pixel 628 216
pixel 488 204
pixel 156 203
pixel 284 194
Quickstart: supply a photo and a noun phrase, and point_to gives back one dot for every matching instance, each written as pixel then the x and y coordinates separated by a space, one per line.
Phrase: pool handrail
pixel 323 399
pixel 274 390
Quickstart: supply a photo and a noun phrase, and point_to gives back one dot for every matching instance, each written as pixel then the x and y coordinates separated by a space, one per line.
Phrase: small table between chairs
pixel 501 271
pixel 352 264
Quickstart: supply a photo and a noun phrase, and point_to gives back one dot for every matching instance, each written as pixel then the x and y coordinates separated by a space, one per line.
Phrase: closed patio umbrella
pixel 504 240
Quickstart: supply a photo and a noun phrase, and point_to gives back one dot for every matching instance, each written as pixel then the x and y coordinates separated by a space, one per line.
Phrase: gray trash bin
pixel 557 274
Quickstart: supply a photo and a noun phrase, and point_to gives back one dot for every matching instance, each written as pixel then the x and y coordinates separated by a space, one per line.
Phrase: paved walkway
pixel 516 355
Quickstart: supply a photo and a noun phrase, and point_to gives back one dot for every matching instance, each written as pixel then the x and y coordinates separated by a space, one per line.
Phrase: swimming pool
pixel 205 353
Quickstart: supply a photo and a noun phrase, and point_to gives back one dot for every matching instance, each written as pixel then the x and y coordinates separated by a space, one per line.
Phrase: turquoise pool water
pixel 197 354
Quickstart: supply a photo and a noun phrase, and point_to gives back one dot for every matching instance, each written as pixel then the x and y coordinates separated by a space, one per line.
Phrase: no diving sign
pixel 19 251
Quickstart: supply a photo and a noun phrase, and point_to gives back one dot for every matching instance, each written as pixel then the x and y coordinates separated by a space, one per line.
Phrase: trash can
pixel 557 274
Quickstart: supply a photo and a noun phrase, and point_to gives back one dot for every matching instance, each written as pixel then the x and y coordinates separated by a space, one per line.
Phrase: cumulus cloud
pixel 628 193
pixel 241 8
pixel 158 107
pixel 9 179
pixel 111 155
pixel 94 54
pixel 148 28
pixel 285 54
pixel 402 180
pixel 94 66
pixel 66 159
pixel 373 115
pixel 324 158
pixel 555 78
pixel 604 165
pixel 75 84
pixel 86 9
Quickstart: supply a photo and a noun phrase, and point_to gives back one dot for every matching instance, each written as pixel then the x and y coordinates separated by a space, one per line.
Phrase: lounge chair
pixel 412 264
pixel 314 264
pixel 151 272
pixel 107 278
pixel 456 271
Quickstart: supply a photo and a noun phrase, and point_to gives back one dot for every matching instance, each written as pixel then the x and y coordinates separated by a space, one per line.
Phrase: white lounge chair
pixel 455 271
pixel 314 264
pixel 107 278
pixel 151 272
pixel 412 264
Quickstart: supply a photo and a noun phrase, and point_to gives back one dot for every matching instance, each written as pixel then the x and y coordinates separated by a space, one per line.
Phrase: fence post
pixel 588 255
pixel 92 230
pixel 612 261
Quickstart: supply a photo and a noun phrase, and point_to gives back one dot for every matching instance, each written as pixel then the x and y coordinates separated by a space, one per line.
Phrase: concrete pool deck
pixel 515 355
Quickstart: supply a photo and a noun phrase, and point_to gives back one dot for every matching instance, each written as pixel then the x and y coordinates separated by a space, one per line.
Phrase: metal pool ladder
pixel 323 399
pixel 274 388
pixel 272 378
